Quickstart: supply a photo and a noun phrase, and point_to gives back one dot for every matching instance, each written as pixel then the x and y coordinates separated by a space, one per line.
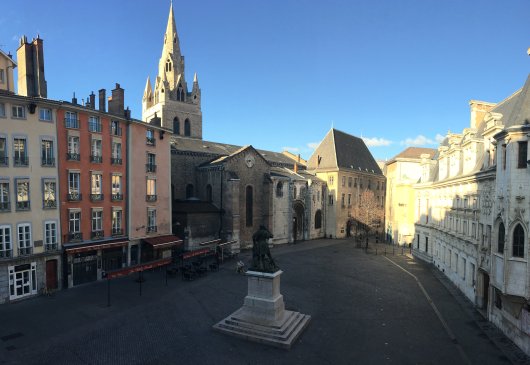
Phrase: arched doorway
pixel 298 221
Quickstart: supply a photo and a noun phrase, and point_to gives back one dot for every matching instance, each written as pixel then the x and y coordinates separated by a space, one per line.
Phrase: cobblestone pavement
pixel 365 310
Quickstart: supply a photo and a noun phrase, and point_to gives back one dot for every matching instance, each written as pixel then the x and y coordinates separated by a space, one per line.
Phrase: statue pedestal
pixel 263 317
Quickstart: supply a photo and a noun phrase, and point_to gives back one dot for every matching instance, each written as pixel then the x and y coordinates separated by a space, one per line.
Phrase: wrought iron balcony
pixel 150 198
pixel 74 197
pixel 4 161
pixel 20 161
pixel 150 141
pixel 25 205
pixel 96 159
pixel 24 251
pixel 73 157
pixel 71 123
pixel 97 235
pixel 150 167
pixel 51 246
pixel 115 131
pixel 5 206
pixel 74 236
pixel 94 127
pixel 49 204
pixel 96 197
pixel 117 231
pixel 48 161
pixel 6 253
pixel 117 197
pixel 116 161
pixel 151 229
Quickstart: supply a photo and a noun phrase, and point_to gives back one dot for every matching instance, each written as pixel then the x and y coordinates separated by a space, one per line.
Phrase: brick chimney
pixel 74 99
pixel 102 100
pixel 116 101
pixel 92 100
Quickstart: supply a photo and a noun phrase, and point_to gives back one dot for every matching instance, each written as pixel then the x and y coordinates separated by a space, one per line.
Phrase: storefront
pixel 88 262
pixel 156 248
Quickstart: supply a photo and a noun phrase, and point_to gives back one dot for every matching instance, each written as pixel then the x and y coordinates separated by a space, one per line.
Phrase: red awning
pixel 199 252
pixel 95 246
pixel 142 267
pixel 163 241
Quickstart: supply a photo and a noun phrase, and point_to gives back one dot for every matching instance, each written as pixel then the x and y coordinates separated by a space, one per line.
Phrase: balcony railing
pixel 20 161
pixel 150 198
pixel 5 206
pixel 49 204
pixel 115 131
pixel 73 156
pixel 24 251
pixel 71 123
pixel 151 229
pixel 96 159
pixel 4 161
pixel 117 197
pixel 150 141
pixel 74 236
pixel 117 231
pixel 51 246
pixel 116 161
pixel 94 127
pixel 150 167
pixel 48 161
pixel 97 235
pixel 96 197
pixel 25 205
pixel 74 197
pixel 6 253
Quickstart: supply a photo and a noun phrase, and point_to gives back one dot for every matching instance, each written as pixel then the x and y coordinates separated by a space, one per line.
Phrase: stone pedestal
pixel 263 317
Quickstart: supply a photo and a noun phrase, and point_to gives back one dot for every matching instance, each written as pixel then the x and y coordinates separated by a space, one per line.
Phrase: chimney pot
pixel 102 102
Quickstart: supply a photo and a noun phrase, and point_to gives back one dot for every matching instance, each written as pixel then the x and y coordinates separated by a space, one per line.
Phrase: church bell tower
pixel 178 108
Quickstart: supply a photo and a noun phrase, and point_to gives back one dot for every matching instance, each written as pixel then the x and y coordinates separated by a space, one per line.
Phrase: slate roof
pixel 342 150
pixel 223 149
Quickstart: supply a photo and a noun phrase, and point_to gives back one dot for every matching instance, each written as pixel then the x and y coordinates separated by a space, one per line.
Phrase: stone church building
pixel 223 191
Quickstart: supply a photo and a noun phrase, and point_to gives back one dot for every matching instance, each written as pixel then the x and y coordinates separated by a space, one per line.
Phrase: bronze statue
pixel 261 255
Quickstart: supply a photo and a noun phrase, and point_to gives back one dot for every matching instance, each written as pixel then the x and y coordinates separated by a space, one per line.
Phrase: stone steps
pixel 280 334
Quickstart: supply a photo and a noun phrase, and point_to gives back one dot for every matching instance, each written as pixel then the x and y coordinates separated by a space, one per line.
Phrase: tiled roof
pixel 415 152
pixel 342 150
pixel 223 149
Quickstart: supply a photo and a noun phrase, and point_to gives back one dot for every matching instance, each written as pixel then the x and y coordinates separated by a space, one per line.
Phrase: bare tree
pixel 368 212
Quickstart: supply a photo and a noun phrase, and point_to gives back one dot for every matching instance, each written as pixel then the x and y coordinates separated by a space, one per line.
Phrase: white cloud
pixel 439 138
pixel 291 149
pixel 421 140
pixel 376 142
pixel 313 145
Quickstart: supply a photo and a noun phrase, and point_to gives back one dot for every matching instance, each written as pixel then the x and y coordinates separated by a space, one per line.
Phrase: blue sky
pixel 278 74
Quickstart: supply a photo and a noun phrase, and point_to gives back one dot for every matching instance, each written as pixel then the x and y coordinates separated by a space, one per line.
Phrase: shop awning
pixel 163 241
pixel 142 267
pixel 102 245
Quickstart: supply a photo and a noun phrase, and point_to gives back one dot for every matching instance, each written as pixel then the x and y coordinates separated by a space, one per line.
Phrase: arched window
pixel 168 66
pixel 189 191
pixel 180 93
pixel 209 193
pixel 294 192
pixel 176 125
pixel 518 242
pixel 279 189
pixel 318 219
pixel 500 240
pixel 187 128
pixel 249 206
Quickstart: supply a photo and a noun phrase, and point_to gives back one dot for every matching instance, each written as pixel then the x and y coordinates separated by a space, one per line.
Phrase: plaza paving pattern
pixel 365 310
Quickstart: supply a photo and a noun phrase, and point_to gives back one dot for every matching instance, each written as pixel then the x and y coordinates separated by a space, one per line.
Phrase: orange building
pixel 92 187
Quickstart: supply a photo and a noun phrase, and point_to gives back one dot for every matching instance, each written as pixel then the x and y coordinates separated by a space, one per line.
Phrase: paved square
pixel 365 310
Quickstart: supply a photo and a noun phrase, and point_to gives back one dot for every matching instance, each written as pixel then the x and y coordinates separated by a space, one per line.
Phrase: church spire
pixel 171 39
pixel 148 91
